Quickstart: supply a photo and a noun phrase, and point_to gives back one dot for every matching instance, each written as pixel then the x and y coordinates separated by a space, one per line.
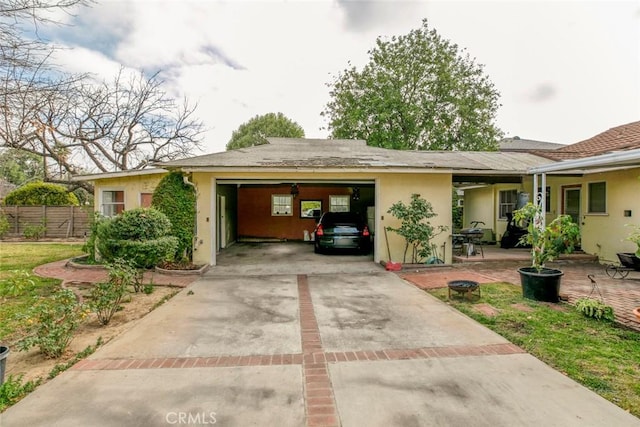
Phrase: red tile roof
pixel 620 138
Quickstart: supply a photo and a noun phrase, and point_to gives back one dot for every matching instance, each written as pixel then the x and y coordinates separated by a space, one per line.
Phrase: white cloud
pixel 566 70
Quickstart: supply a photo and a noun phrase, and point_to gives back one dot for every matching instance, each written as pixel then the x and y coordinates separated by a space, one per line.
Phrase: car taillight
pixel 319 231
pixel 365 231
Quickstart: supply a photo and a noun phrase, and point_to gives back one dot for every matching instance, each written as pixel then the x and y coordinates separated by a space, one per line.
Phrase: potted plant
pixel 547 242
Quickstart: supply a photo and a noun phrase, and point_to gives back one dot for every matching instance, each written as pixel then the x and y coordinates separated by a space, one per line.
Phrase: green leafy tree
pixel 258 129
pixel 18 167
pixel 415 227
pixel 41 193
pixel 417 92
pixel 177 200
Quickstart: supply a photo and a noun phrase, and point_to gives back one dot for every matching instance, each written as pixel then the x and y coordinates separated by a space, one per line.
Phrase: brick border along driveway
pixel 319 399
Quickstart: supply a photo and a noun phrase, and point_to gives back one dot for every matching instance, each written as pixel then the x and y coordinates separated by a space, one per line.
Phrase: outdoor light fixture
pixel 356 193
pixel 294 190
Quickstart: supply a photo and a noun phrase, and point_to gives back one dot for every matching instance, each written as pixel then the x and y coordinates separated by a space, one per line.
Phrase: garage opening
pixel 285 211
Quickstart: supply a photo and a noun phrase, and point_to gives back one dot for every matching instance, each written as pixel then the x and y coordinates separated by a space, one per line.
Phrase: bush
pixel 177 201
pixel 595 309
pixel 34 231
pixel 41 193
pixel 4 225
pixel 139 236
pixel 13 389
pixel 51 324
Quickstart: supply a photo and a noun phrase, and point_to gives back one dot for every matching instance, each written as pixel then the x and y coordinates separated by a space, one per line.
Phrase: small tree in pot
pixel 560 236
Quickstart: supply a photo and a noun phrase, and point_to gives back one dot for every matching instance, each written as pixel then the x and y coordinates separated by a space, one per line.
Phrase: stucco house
pixel 596 181
pixel 265 192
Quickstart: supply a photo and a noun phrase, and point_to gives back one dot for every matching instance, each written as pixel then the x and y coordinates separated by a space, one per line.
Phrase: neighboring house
pixel 266 192
pixel 527 145
pixel 595 181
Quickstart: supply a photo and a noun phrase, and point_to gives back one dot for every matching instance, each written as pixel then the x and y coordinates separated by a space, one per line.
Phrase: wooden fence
pixel 58 221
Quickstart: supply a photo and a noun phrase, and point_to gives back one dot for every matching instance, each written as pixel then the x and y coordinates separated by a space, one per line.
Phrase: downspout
pixel 194 243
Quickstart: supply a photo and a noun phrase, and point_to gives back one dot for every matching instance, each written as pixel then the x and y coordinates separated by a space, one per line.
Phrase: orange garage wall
pixel 254 211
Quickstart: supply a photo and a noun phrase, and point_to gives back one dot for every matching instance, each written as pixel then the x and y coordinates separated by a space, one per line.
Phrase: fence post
pixel 44 219
pixel 15 216
pixel 70 226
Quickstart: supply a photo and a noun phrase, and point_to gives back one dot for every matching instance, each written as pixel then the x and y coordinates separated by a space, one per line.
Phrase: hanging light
pixel 294 190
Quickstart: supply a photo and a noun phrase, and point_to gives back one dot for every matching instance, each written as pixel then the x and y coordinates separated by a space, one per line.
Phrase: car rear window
pixel 337 218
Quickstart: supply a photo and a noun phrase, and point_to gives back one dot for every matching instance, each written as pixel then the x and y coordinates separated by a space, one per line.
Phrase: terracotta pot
pixel 637 313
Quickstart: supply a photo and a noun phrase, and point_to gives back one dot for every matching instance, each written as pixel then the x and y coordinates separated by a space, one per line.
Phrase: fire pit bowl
pixel 463 287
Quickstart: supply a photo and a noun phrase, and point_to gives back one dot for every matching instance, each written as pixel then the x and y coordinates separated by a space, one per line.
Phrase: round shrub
pixel 41 193
pixel 140 236
pixel 177 200
pixel 140 224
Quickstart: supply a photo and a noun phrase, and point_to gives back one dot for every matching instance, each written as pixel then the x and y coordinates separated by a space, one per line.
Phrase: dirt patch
pixel 486 309
pixel 33 364
pixel 522 307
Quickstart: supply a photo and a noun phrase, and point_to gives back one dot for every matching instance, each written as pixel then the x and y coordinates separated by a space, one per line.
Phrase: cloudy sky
pixel 566 70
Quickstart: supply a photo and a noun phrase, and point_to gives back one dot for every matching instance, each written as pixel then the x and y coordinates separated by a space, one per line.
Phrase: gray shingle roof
pixel 519 144
pixel 354 154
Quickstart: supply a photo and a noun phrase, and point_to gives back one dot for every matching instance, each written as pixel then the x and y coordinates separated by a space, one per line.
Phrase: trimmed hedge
pixel 140 236
pixel 41 193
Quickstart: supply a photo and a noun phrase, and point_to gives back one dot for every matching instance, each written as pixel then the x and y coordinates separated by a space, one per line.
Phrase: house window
pixel 281 205
pixel 339 203
pixel 507 202
pixel 112 203
pixel 145 200
pixel 597 197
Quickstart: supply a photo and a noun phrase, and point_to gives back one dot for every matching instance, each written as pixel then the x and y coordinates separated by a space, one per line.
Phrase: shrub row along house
pixel 275 191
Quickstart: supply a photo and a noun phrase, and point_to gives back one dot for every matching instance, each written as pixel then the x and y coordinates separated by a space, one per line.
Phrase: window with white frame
pixel 281 205
pixel 507 202
pixel 597 197
pixel 112 202
pixel 339 203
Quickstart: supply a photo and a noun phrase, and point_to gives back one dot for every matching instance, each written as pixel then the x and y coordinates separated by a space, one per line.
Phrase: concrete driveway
pixel 289 348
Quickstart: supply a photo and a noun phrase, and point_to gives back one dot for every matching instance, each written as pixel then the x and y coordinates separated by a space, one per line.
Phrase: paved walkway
pixel 60 270
pixel 330 349
pixel 622 294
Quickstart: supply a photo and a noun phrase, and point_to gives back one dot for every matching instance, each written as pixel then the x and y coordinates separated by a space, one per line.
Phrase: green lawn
pixel 16 263
pixel 597 354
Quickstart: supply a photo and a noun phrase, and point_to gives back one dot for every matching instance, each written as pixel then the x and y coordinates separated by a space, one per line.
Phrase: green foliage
pixel 561 236
pixel 259 128
pixel 34 231
pixel 18 282
pixel 41 193
pixel 595 309
pixel 415 227
pixel 417 92
pixel 13 389
pixel 456 211
pixel 106 299
pixel 148 289
pixel 88 351
pixel 18 166
pixel 90 245
pixel 634 237
pixel 177 200
pixel 138 235
pixel 51 323
pixel 4 225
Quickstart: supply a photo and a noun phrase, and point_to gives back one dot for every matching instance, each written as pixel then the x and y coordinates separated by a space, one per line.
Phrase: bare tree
pixel 78 125
pixel 106 127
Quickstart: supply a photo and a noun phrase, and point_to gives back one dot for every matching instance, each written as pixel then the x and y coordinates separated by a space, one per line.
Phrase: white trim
pixel 378 233
pixel 611 159
pixel 118 174
pixel 213 220
pixel 111 189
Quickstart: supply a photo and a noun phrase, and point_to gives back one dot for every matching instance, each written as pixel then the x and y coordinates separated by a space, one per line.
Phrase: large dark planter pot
pixel 540 286
pixel 4 352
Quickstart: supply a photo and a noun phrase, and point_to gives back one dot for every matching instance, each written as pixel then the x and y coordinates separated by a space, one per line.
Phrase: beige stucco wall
pixel 390 188
pixel 435 188
pixel 132 186
pixel 479 206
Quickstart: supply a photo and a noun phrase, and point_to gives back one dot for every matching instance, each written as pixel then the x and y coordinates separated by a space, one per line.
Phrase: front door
pixel 571 205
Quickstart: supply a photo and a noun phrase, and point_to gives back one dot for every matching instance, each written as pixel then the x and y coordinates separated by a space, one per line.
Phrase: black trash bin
pixel 4 352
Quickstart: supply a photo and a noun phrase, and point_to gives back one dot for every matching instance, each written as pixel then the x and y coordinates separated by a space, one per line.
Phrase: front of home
pixel 275 191
pixel 596 181
pixel 270 192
